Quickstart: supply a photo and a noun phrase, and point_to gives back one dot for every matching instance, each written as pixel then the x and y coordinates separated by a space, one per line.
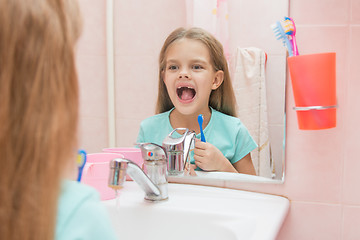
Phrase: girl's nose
pixel 184 74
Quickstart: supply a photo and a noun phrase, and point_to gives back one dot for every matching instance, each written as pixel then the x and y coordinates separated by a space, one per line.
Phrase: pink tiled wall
pixel 140 29
pixel 91 65
pixel 322 167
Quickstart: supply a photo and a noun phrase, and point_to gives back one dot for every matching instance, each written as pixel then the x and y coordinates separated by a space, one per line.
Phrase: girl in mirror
pixel 194 79
pixel 39 115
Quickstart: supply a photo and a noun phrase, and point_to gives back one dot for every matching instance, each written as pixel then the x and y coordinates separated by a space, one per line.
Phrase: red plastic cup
pixel 313 79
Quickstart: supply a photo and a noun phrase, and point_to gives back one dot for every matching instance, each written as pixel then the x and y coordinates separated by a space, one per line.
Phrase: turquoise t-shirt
pixel 81 215
pixel 225 132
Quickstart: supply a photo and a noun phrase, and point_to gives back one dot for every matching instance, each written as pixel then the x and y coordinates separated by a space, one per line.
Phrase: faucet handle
pixel 189 144
pixel 152 151
pixel 178 150
pixel 175 144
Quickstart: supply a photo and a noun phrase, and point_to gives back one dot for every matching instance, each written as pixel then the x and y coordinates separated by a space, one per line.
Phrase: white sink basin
pixel 197 212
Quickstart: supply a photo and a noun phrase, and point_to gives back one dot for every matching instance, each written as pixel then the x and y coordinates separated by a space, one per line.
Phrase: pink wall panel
pixel 322 167
pixel 352 163
pixel 140 28
pixel 91 65
pixel 350 224
pixel 312 221
pixel 326 27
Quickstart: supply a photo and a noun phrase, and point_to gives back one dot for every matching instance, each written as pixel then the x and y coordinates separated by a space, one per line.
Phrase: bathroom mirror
pixel 140 28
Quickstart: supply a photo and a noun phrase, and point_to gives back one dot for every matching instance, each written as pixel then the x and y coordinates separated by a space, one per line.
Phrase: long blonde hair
pixel 38 112
pixel 221 99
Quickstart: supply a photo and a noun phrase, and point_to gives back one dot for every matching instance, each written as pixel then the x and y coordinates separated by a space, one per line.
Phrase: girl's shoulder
pixel 227 123
pixel 73 196
pixel 76 191
pixel 224 118
pixel 80 203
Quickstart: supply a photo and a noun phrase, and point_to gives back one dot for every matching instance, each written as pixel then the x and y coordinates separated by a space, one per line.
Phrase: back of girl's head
pixel 221 99
pixel 38 111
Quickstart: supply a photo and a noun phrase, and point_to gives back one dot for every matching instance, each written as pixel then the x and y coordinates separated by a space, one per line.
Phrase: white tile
pixel 312 221
pixel 127 131
pixel 142 26
pixel 93 85
pixel 136 86
pixel 93 134
pixel 319 12
pixel 355 12
pixel 250 21
pixel 93 38
pixel 275 88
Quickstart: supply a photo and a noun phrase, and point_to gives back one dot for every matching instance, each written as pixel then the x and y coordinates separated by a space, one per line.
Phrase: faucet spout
pixel 153 182
pixel 119 167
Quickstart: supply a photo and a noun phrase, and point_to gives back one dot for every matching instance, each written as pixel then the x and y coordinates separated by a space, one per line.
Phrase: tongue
pixel 187 94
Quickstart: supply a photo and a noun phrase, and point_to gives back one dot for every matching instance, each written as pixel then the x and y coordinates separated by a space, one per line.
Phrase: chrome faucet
pixel 154 183
pixel 178 150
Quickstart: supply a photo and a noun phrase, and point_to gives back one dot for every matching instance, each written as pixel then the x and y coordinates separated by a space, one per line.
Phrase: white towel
pixel 250 92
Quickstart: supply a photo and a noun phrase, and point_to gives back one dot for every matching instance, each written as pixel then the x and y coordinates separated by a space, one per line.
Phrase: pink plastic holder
pixel 96 173
pixel 133 154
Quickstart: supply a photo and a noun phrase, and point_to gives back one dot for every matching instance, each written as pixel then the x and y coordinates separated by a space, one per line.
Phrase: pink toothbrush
pixel 290 29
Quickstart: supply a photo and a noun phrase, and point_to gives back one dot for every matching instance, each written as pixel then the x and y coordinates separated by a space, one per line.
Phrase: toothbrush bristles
pixel 289 26
pixel 280 34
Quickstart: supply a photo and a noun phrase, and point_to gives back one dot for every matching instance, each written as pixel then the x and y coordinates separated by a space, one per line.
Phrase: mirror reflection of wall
pixel 140 27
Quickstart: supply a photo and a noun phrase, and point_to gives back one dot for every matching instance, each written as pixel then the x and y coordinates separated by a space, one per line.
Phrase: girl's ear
pixel 218 79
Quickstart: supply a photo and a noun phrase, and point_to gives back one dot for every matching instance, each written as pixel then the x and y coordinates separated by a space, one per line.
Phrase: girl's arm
pixel 210 158
pixel 245 165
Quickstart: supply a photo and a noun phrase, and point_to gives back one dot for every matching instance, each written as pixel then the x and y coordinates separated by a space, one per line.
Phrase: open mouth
pixel 186 93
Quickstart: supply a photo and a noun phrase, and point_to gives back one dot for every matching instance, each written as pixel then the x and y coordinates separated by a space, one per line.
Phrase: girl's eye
pixel 172 67
pixel 197 67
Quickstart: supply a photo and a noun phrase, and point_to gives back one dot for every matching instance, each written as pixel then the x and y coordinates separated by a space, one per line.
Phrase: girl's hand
pixel 189 169
pixel 209 158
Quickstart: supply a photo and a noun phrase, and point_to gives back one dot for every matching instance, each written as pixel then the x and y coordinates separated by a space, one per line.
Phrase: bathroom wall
pixel 322 167
pixel 91 65
pixel 140 28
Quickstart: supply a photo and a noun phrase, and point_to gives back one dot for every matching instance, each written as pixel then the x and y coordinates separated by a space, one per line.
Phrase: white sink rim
pixel 268 211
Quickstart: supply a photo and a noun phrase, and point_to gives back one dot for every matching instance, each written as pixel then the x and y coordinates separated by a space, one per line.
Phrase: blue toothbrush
pixel 200 121
pixel 81 160
pixel 280 34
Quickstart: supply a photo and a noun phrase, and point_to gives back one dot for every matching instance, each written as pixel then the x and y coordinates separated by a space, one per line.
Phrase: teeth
pixel 185 87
